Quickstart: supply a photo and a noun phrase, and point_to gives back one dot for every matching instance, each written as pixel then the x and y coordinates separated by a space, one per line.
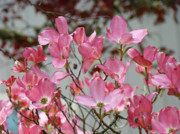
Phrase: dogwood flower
pixel 41 94
pixel 139 111
pixel 145 60
pixel 91 52
pixel 168 121
pixel 120 35
pixel 19 67
pixel 9 82
pixel 115 69
pixel 80 36
pixel 98 99
pixel 61 50
pixel 49 36
pixel 36 56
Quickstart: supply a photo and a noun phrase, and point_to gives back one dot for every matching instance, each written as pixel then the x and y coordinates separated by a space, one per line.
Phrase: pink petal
pixel 115 65
pixel 87 64
pixel 137 35
pixel 160 56
pixel 79 35
pixel 48 36
pixel 118 27
pixel 110 36
pixel 156 125
pixel 91 37
pixel 161 80
pixel 37 105
pixel 54 50
pixel 98 44
pixel 113 99
pixel 65 40
pixel 46 87
pixel 61 25
pixel 34 55
pixel 85 100
pixel 64 43
pixel 58 76
pixel 85 50
pixel 132 52
pixel 128 91
pixel 122 75
pixel 36 129
pixel 105 69
pixel 141 61
pixel 126 38
pixel 38 72
pixel 97 89
pixel 34 94
pixel 22 129
pixel 58 62
pixel 137 57
pixel 150 53
pixel 151 96
pixel 169 117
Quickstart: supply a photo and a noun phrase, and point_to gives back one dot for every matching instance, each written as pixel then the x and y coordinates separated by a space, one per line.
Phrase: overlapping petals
pixel 41 94
pixel 80 36
pixel 50 36
pixel 61 50
pixel 91 52
pixel 36 56
pixel 98 99
pixel 115 69
pixel 139 111
pixel 145 60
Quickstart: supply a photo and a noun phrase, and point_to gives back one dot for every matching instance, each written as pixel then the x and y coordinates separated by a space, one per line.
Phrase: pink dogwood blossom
pixel 9 82
pixel 145 60
pixel 98 99
pixel 168 75
pixel 41 94
pixel 139 111
pixel 80 36
pixel 120 35
pixel 29 80
pixel 60 42
pixel 115 69
pixel 18 96
pixel 61 50
pixel 164 60
pixel 168 121
pixel 19 67
pixel 91 52
pixel 50 36
pixel 36 56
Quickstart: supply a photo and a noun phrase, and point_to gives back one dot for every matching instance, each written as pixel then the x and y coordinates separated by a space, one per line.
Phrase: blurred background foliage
pixel 87 13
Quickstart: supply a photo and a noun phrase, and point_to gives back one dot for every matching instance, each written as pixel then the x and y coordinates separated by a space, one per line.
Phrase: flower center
pixel 100 104
pixel 44 100
pixel 29 85
pixel 171 130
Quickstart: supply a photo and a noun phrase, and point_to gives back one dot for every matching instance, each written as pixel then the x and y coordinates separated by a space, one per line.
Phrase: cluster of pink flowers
pixel 37 97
